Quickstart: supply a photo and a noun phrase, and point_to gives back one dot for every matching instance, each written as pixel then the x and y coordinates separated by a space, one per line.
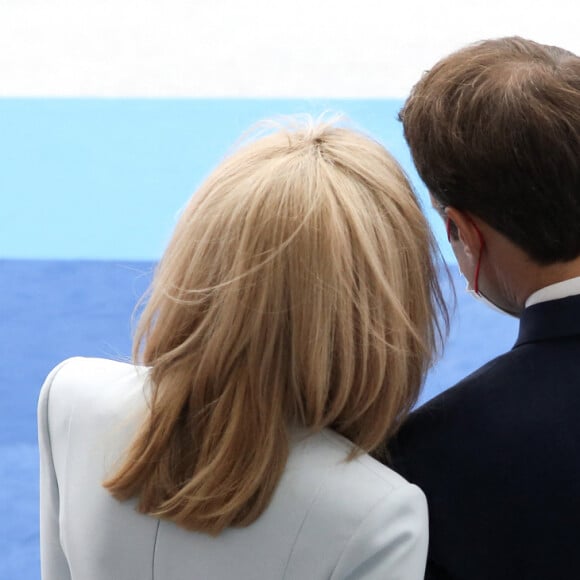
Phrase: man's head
pixel 494 130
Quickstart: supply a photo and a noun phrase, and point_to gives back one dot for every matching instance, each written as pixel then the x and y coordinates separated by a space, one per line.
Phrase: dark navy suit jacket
pixel 498 457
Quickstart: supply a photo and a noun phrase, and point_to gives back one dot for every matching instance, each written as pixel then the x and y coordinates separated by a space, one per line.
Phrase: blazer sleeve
pixel 391 542
pixel 54 565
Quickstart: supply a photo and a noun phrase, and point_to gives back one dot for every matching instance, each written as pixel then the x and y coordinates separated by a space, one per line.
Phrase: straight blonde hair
pixel 299 289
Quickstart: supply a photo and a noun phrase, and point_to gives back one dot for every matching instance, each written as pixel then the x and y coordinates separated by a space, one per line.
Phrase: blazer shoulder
pixel 374 520
pixel 95 385
pixel 320 468
pixel 472 414
pixel 362 467
pixel 87 369
pixel 484 387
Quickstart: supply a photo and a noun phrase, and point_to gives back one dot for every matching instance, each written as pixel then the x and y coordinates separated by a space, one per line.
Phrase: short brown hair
pixel 299 289
pixel 494 129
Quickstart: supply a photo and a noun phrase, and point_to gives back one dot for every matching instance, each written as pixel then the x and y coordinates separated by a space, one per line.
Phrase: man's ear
pixel 469 235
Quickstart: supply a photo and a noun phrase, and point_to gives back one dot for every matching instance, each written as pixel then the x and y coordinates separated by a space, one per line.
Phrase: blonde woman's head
pixel 299 289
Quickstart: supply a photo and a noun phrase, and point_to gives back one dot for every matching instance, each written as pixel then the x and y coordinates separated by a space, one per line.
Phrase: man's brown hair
pixel 494 129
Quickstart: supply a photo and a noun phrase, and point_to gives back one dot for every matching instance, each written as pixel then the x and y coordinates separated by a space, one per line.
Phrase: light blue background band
pixel 105 178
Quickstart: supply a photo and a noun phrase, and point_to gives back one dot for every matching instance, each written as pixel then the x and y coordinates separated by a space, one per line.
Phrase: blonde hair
pixel 299 289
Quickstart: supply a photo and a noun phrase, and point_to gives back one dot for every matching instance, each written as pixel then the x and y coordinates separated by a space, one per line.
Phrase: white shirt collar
pixel 556 291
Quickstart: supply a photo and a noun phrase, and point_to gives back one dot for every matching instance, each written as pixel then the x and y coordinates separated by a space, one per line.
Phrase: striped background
pixel 113 111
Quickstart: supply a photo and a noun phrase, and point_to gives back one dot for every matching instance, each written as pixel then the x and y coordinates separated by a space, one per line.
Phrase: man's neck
pixel 513 275
pixel 540 279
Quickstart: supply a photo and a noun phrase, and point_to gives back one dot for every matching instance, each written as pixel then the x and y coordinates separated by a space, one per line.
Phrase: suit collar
pixel 550 320
pixel 561 289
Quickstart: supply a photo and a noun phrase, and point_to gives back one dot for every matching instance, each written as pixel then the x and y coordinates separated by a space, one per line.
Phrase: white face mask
pixel 484 300
pixel 477 294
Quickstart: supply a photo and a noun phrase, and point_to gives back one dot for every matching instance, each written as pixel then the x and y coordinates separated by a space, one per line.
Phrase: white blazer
pixel 328 518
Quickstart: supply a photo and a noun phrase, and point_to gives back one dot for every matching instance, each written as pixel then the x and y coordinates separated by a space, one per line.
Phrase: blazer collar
pixel 550 320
